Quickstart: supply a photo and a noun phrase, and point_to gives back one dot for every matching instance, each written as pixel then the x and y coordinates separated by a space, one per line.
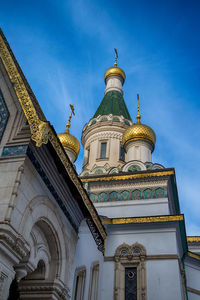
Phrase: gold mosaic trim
pixel 129 176
pixel 42 132
pixel 39 129
pixel 142 219
pixel 193 239
pixel 193 255
pixel 194 291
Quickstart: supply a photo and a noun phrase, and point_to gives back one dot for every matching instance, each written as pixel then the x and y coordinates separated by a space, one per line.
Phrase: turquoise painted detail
pixel 102 197
pixel 126 122
pixel 136 195
pixel 103 119
pixel 98 172
pixel 14 150
pixel 93 122
pixel 148 194
pixel 134 168
pixel 149 166
pixel 114 196
pixel 4 115
pixel 93 198
pixel 116 119
pixel 125 195
pixel 128 195
pixel 159 193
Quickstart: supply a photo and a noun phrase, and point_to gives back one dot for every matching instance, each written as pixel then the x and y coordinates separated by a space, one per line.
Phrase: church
pixel 115 231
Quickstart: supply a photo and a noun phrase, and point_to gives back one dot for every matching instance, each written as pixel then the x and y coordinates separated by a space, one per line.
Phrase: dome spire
pixel 138 117
pixel 70 116
pixel 116 57
pixel 114 77
pixel 70 142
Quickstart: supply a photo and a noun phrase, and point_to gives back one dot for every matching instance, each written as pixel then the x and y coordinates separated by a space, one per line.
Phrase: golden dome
pixel 115 71
pixel 139 131
pixel 69 141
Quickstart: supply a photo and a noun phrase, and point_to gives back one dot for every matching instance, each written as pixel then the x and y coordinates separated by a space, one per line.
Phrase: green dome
pixel 113 103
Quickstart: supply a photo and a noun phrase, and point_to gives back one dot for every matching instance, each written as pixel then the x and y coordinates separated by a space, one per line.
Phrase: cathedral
pixel 115 231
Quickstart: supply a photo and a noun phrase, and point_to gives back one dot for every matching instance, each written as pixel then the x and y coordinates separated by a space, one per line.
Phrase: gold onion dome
pixel 69 141
pixel 115 70
pixel 139 131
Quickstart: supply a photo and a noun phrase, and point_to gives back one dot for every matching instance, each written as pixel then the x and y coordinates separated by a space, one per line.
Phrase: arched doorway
pixel 43 265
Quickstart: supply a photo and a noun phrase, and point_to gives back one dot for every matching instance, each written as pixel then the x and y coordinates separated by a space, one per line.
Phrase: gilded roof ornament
pixel 69 141
pixel 70 116
pixel 139 131
pixel 115 70
pixel 116 57
pixel 138 117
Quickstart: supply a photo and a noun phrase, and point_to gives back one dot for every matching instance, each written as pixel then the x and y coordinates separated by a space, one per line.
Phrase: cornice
pixel 129 176
pixel 138 220
pixel 192 239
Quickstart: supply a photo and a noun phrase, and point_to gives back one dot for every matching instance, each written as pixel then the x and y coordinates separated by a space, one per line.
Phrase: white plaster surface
pixel 156 241
pixel 193 275
pixel 133 208
pixel 163 280
pixel 192 296
pixel 114 83
pixel 138 150
pixel 86 254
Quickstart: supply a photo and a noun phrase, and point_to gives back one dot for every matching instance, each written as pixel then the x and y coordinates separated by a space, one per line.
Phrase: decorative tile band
pixel 14 150
pixel 129 195
pixel 4 115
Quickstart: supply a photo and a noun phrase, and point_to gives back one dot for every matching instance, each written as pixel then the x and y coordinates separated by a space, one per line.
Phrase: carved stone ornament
pixel 130 256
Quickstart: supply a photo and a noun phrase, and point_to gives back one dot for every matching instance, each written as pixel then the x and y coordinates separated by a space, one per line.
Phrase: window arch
pixel 79 283
pixel 94 282
pixel 130 266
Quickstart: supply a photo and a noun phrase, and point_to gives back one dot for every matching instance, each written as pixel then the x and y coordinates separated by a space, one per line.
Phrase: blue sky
pixel 64 48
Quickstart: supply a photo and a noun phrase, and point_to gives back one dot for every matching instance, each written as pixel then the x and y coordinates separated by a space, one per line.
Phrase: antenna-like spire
pixel 116 57
pixel 69 120
pixel 138 117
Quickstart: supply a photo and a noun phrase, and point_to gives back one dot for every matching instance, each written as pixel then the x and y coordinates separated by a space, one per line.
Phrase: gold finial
pixel 138 117
pixel 69 120
pixel 116 57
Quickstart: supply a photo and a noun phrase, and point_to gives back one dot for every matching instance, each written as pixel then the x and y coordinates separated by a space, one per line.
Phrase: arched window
pixel 94 282
pixel 79 287
pixel 130 272
pixel 4 115
pixel 121 153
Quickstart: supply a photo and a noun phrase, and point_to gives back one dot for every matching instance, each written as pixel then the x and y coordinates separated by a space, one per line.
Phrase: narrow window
pixel 93 293
pixel 103 150
pixel 80 285
pixel 122 153
pixel 88 155
pixel 131 283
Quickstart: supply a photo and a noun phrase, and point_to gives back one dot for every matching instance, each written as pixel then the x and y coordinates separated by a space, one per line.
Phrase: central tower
pixel 102 135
